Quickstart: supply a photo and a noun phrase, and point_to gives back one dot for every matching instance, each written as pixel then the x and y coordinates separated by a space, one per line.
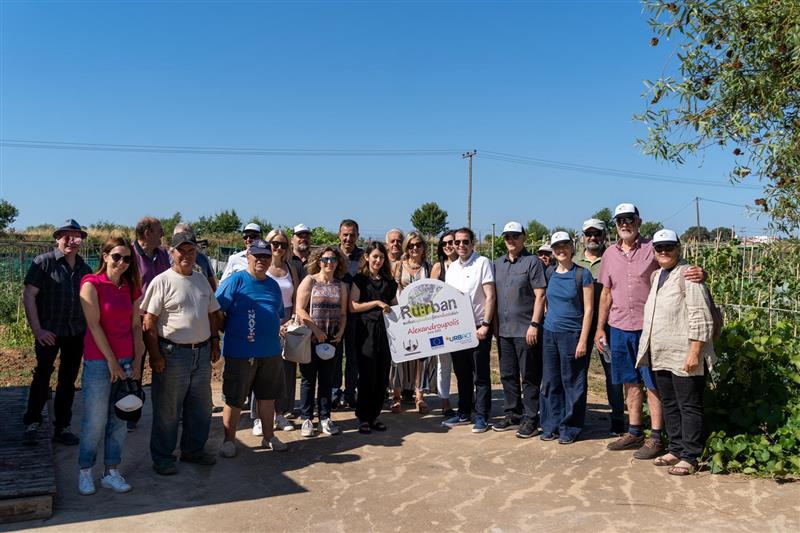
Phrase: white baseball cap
pixel 595 223
pixel 252 227
pixel 624 210
pixel 325 351
pixel 545 248
pixel 665 236
pixel 129 403
pixel 513 227
pixel 301 228
pixel 559 237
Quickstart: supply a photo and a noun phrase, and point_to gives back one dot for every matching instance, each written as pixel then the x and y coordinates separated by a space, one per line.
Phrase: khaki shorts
pixel 261 375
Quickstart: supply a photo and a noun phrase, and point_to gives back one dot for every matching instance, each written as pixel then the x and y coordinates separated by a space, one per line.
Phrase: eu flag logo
pixel 437 341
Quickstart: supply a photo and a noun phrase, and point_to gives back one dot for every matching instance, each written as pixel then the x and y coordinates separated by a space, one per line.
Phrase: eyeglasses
pixel 447 243
pixel 512 235
pixel 302 235
pixel 464 242
pixel 328 260
pixel 78 239
pixel 262 257
pixel 596 234
pixel 279 244
pixel 664 247
pixel 124 258
pixel 416 245
pixel 625 220
pixel 396 241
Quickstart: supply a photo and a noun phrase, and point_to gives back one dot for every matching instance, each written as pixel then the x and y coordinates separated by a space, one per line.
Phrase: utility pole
pixel 469 155
pixel 697 211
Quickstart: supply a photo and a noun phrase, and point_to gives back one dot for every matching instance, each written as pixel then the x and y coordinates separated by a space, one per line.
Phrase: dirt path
pixel 418 477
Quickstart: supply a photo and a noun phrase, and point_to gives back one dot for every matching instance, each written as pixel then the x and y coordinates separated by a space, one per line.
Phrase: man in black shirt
pixel 348 237
pixel 53 308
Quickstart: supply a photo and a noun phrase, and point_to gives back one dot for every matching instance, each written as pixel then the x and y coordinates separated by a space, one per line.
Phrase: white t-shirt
pixel 469 278
pixel 182 304
pixel 236 262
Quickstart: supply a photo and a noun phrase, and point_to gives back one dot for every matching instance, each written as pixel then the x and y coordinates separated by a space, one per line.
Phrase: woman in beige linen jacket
pixel 676 343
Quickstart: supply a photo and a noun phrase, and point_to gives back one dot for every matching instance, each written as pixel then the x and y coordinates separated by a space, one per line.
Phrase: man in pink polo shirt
pixel 625 274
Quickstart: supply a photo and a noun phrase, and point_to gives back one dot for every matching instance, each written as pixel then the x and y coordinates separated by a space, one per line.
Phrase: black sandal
pixel 364 428
pixel 378 426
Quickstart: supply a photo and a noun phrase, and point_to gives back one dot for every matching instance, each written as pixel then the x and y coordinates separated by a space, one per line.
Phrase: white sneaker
pixel 257 430
pixel 307 430
pixel 114 481
pixel 228 449
pixel 329 428
pixel 274 444
pixel 283 424
pixel 85 482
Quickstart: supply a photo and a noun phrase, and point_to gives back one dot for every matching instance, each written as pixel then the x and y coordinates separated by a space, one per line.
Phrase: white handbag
pixel 297 343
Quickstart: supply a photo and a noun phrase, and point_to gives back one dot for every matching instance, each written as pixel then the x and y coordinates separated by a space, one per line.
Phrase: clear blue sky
pixel 551 80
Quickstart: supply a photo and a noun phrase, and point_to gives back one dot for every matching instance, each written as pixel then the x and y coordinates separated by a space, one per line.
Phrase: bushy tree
pixel 168 223
pixel 322 237
pixel 736 85
pixel 537 232
pixel 223 222
pixel 696 233
pixel 648 229
pixel 8 214
pixel 429 219
pixel 724 234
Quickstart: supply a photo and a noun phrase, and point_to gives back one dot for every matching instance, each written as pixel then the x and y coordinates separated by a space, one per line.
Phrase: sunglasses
pixel 544 254
pixel 262 257
pixel 625 220
pixel 250 236
pixel 416 245
pixel 596 234
pixel 328 260
pixel 464 242
pixel 124 258
pixel 665 247
pixel 279 244
pixel 512 235
pixel 448 243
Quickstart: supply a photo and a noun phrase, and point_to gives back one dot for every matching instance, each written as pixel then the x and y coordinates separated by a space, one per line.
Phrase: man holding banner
pixel 472 275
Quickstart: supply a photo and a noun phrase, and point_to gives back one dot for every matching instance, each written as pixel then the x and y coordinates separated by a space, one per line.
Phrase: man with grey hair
pixel 594 244
pixel 394 245
pixel 203 262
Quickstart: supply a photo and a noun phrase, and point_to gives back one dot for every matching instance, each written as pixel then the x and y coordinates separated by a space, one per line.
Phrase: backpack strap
pixel 579 283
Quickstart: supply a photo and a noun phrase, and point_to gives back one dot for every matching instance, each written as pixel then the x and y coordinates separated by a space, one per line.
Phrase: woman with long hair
pixel 373 292
pixel 412 374
pixel 445 254
pixel 322 306
pixel 113 350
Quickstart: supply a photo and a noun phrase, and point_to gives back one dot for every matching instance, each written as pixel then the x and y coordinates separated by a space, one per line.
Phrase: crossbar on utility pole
pixel 469 155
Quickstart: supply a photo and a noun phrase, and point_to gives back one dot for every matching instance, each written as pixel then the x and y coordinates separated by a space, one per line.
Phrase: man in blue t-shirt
pixel 253 310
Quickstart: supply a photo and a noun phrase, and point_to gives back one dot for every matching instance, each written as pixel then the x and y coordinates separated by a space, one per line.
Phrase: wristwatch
pixel 535 324
pixel 484 323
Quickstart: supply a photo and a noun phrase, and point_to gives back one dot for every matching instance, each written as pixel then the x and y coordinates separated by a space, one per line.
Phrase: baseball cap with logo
pixel 559 237
pixel 513 227
pixel 259 247
pixel 545 248
pixel 181 238
pixel 665 236
pixel 626 210
pixel 301 228
pixel 325 351
pixel 252 226
pixel 595 223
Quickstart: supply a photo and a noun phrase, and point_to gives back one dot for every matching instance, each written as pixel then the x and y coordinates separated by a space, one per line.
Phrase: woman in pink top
pixel 113 349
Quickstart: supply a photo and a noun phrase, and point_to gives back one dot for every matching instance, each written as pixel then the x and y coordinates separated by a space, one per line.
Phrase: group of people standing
pixel 647 312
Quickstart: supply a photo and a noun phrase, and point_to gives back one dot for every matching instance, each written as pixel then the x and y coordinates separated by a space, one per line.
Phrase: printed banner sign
pixel 431 318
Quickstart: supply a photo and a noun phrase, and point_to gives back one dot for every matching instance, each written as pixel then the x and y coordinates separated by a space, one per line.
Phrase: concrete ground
pixel 417 476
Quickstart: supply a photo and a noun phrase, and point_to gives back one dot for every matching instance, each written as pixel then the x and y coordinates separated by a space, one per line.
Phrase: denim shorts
pixel 263 376
pixel 624 347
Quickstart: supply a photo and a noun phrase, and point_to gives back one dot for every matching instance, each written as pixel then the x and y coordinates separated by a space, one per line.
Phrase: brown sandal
pixel 396 407
pixel 681 470
pixel 422 407
pixel 663 461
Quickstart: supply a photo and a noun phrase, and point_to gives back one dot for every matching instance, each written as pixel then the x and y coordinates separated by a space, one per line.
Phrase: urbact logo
pixel 437 342
pixel 460 339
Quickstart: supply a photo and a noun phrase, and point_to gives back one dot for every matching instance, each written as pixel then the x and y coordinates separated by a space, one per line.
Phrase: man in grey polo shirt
pixel 520 281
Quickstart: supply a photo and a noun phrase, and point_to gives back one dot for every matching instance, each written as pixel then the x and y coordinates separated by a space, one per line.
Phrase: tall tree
pixel 429 219
pixel 724 234
pixel 223 222
pixel 8 214
pixel 696 233
pixel 648 229
pixel 736 86
pixel 168 224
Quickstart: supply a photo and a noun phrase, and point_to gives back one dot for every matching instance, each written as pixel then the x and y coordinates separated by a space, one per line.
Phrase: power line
pixel 676 213
pixel 575 167
pixel 724 203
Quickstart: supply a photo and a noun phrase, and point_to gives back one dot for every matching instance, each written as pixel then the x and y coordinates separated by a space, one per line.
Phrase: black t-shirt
pixel 370 289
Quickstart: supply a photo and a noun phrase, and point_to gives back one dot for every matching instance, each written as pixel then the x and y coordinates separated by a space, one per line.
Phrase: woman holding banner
pixel 374 290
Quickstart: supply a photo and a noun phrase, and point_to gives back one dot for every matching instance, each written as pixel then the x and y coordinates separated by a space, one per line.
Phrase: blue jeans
pixel 183 387
pixel 98 416
pixel 563 404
